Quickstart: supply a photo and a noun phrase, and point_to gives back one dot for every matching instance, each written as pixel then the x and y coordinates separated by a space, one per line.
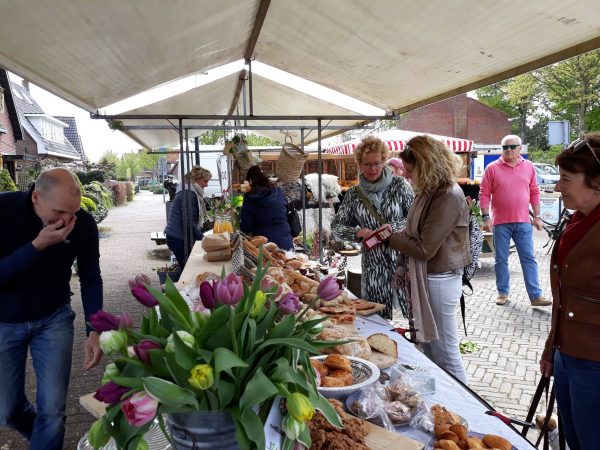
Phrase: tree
pixel 108 161
pixel 129 166
pixel 571 90
pixel 148 162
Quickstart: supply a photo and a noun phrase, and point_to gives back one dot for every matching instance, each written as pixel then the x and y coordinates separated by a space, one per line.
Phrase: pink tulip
pixel 110 393
pixel 289 303
pixel 139 409
pixel 268 284
pixel 328 289
pixel 140 278
pixel 142 350
pixel 229 290
pixel 143 296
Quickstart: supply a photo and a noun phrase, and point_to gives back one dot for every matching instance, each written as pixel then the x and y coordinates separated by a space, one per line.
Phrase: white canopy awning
pixel 397 139
pixel 392 54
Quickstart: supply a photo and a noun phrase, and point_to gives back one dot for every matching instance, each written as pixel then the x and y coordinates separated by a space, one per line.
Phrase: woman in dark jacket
pixel 572 351
pixel 264 211
pixel 193 200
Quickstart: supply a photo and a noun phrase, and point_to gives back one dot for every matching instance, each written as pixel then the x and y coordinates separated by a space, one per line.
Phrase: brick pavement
pixel 504 370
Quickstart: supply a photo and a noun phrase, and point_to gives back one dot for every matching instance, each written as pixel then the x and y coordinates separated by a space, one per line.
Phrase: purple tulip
pixel 328 289
pixel 289 303
pixel 142 350
pixel 140 278
pixel 125 321
pixel 110 393
pixel 229 290
pixel 104 321
pixel 143 296
pixel 207 294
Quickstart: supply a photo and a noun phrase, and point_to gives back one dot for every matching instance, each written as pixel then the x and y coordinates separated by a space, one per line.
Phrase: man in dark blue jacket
pixel 42 232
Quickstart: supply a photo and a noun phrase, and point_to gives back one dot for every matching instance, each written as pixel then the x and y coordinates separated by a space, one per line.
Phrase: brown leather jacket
pixel 575 286
pixel 443 239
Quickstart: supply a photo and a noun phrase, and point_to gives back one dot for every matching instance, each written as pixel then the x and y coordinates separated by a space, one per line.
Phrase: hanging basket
pixel 246 160
pixel 290 163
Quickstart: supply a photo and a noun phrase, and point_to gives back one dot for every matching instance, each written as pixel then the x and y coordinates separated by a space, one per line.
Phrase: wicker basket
pixel 290 163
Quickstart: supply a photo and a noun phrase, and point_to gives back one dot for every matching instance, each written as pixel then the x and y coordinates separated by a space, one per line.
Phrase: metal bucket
pixel 202 430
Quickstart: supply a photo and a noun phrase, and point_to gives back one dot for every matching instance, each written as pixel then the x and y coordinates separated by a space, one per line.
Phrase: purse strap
pixel 544 387
pixel 363 198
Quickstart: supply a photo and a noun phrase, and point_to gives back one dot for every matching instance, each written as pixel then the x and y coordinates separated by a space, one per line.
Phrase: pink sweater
pixel 511 189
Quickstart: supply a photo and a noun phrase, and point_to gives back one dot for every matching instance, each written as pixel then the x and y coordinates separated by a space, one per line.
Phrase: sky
pixel 97 137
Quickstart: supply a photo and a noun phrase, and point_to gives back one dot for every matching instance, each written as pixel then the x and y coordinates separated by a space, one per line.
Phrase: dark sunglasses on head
pixel 582 143
pixel 511 146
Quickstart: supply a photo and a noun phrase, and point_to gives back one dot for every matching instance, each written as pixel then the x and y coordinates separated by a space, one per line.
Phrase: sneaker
pixel 540 301
pixel 502 299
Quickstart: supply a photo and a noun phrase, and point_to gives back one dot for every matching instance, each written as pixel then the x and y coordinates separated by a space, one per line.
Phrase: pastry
pixel 332 382
pixel 319 367
pixel 205 276
pixel 338 362
pixel 258 240
pixel 271 246
pixel 343 375
pixel 493 441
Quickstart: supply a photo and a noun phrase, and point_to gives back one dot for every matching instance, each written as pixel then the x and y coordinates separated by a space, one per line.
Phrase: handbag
pixel 293 219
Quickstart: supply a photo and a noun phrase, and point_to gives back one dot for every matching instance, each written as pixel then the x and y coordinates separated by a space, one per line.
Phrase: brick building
pixel 461 117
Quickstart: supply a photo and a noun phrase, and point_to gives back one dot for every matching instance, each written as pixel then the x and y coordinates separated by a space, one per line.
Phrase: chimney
pixel 25 84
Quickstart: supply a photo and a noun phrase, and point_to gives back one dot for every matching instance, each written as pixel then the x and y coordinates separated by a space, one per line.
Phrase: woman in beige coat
pixel 436 243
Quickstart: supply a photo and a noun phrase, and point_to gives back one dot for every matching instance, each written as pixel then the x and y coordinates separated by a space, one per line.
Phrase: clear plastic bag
pixel 371 407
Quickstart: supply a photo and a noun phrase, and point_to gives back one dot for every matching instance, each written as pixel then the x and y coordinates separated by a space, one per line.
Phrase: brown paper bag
pixel 218 255
pixel 212 242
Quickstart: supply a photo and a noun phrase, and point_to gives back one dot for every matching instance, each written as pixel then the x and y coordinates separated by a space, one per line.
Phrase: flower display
pixel 239 354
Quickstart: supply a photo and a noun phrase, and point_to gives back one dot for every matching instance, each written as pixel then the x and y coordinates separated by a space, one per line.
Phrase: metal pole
pixel 320 172
pixel 303 192
pixel 197 149
pixel 182 158
pixel 244 102
pixel 250 86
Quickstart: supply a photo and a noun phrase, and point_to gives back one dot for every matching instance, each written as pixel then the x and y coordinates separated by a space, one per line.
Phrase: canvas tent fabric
pixel 395 55
pixel 396 141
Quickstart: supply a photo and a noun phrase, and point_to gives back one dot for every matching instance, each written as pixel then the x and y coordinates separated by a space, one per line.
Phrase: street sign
pixel 559 132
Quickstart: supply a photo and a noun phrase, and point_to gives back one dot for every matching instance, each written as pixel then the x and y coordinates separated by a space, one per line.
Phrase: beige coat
pixel 443 233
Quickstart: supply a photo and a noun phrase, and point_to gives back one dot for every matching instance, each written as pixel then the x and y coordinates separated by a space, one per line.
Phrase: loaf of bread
pixel 384 344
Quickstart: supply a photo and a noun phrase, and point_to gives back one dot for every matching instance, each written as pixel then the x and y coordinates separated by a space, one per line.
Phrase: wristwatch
pixel 485 217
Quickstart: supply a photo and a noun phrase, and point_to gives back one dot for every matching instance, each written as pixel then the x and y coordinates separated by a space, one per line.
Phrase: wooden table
pixel 196 264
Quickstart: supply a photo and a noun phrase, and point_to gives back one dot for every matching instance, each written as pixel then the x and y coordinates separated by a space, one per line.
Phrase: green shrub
pixel 100 194
pixel 92 175
pixel 88 204
pixel 130 189
pixel 6 182
pixel 100 213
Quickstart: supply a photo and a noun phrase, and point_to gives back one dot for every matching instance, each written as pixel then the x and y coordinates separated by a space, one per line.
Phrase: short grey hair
pixel 50 179
pixel 509 137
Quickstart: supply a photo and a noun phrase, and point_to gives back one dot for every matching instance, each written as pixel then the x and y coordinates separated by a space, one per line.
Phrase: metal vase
pixel 202 430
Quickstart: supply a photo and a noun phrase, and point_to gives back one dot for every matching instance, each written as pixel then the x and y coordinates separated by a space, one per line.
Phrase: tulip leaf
pixel 283 329
pixel 309 324
pixel 329 344
pixel 281 372
pixel 219 338
pixel 225 360
pixel 251 338
pixel 267 321
pixel 258 389
pixel 253 427
pixel 225 391
pixel 134 383
pixel 319 402
pixel 169 393
pixel 159 366
pixel 178 302
pixel 288 342
pixel 184 354
pixel 217 320
pixel 179 374
pixel 304 437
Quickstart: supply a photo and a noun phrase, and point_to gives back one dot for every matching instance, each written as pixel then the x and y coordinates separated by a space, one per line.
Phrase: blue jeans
pixel 522 235
pixel 577 385
pixel 50 341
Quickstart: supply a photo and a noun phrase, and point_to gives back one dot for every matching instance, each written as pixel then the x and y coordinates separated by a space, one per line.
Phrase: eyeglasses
pixel 375 165
pixel 511 146
pixel 582 143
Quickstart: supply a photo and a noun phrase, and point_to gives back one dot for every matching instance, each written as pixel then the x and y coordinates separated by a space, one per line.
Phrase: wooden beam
pixel 236 94
pixel 258 23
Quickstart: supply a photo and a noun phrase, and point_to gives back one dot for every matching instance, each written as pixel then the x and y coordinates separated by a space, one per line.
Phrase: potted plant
pixel 173 271
pixel 228 358
pixel 225 211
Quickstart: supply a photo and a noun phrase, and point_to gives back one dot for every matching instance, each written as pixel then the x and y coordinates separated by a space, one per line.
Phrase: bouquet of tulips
pixel 235 352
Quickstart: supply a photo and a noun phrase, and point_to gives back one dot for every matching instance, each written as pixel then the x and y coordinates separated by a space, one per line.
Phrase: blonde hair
pixel 435 165
pixel 370 144
pixel 198 172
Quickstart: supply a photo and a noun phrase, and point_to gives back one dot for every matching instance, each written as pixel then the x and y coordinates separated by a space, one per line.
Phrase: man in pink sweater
pixel 511 184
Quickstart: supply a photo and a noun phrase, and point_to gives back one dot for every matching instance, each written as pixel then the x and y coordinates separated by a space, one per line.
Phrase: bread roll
pixel 384 344
pixel 338 362
pixel 258 240
pixel 271 246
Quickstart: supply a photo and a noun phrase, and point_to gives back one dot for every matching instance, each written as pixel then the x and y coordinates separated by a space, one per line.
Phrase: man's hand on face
pixel 53 233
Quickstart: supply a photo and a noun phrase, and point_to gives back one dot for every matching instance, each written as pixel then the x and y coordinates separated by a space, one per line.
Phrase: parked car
pixel 546 173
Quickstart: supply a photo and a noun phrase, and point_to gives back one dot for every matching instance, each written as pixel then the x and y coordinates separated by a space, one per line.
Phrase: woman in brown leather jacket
pixel 572 350
pixel 436 242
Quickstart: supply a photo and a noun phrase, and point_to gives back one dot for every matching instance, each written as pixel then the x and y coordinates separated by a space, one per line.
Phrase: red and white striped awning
pixel 397 139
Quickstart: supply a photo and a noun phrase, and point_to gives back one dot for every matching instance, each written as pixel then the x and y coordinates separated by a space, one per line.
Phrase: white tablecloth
pixel 448 393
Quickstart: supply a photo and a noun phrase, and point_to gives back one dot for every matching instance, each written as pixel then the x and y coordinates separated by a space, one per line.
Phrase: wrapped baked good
pixel 206 276
pixel 398 412
pixel 213 242
pixel 218 255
